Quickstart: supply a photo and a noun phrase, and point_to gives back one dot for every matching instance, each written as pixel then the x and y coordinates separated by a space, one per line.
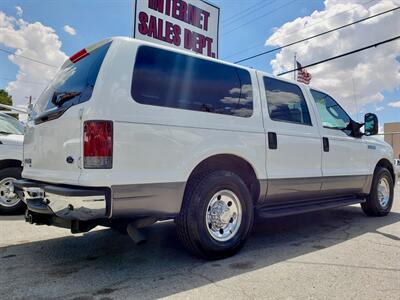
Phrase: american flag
pixel 302 75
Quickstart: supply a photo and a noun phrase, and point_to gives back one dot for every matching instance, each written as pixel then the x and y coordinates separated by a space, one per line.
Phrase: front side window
pixel 332 115
pixel 286 102
pixel 169 79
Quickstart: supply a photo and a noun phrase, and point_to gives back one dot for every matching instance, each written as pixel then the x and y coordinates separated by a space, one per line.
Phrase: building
pixel 392 136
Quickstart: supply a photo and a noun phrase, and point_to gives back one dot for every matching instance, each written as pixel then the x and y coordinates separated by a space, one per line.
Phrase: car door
pixel 345 156
pixel 293 143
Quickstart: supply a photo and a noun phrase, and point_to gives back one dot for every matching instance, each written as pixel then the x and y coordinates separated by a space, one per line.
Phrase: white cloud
pixel 36 41
pixel 70 30
pixel 373 71
pixel 395 104
pixel 379 108
pixel 19 10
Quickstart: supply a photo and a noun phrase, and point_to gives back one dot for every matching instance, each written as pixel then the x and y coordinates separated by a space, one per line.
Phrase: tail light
pixel 97 144
pixel 78 56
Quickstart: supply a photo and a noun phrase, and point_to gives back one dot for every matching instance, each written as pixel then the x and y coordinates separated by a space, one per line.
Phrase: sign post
pixel 191 25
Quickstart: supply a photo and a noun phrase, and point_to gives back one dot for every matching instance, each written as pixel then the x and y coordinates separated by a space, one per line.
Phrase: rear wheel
pixel 216 215
pixel 9 201
pixel 379 201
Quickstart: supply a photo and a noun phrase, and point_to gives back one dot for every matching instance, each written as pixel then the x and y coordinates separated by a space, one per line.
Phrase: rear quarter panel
pixel 156 144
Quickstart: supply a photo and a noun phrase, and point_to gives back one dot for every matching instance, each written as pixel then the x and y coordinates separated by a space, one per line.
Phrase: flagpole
pixel 294 66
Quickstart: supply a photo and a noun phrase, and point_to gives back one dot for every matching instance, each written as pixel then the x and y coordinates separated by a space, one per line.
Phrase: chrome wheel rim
pixel 383 192
pixel 8 198
pixel 224 215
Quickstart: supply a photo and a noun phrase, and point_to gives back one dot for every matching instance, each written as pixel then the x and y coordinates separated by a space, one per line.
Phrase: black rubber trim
pixel 306 206
pixel 73 192
pixel 62 190
pixel 21 183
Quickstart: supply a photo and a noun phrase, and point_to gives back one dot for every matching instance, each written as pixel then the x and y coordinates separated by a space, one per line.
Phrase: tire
pixel 376 204
pixel 194 222
pixel 7 205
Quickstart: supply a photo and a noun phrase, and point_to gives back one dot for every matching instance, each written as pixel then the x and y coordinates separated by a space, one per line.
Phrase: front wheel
pixel 379 201
pixel 216 215
pixel 9 200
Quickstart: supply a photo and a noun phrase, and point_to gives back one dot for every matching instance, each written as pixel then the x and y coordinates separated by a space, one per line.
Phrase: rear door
pixel 53 139
pixel 293 142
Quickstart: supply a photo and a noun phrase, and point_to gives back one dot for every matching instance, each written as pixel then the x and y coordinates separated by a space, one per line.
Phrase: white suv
pixel 131 133
pixel 11 139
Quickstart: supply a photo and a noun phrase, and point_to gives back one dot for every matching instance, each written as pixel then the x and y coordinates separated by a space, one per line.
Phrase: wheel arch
pixel 10 163
pixel 233 163
pixel 385 163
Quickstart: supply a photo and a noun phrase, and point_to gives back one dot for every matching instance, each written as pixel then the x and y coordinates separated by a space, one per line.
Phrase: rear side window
pixel 286 102
pixel 73 84
pixel 168 79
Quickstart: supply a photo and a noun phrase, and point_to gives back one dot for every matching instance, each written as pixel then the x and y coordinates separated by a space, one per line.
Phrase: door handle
pixel 325 143
pixel 272 141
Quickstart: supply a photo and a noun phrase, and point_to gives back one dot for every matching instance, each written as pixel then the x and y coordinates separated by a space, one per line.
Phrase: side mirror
pixel 370 124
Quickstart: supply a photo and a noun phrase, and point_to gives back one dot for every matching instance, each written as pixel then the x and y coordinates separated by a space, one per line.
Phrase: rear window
pixel 168 79
pixel 73 84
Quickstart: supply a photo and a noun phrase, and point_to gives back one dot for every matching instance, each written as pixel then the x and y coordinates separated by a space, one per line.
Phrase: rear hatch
pixel 54 133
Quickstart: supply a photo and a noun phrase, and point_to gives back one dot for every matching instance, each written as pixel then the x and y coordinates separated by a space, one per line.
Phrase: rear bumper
pixel 66 202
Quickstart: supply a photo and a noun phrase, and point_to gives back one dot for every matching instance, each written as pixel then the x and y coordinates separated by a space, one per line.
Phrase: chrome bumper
pixel 70 203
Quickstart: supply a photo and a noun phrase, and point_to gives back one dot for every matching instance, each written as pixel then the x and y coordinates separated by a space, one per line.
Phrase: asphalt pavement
pixel 332 254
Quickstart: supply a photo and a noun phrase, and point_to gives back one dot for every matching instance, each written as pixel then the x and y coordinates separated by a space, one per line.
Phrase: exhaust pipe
pixel 135 229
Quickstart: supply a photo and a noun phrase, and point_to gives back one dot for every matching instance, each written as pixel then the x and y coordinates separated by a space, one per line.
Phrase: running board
pixel 274 211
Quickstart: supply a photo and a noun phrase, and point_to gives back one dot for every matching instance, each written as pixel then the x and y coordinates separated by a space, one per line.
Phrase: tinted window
pixel 9 125
pixel 286 102
pixel 73 84
pixel 332 115
pixel 169 79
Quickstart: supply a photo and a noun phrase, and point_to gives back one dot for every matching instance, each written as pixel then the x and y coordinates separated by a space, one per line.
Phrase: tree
pixel 6 99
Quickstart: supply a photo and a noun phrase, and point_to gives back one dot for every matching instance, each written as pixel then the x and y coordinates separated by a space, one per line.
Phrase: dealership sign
pixel 190 25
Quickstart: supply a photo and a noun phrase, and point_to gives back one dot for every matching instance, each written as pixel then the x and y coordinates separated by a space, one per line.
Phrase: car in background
pixel 11 145
pixel 397 168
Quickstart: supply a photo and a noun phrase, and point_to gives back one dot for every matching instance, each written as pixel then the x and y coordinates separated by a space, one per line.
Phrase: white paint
pixel 159 144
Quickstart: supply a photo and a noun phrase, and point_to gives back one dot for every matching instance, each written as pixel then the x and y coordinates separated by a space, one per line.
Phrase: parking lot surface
pixel 333 254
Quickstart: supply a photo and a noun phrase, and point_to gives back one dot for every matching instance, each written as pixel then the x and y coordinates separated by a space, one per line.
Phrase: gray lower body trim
pixel 154 199
pixel 300 189
pixel 263 190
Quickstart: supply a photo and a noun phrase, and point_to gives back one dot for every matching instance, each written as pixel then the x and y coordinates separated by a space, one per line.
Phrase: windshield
pixel 73 84
pixel 9 125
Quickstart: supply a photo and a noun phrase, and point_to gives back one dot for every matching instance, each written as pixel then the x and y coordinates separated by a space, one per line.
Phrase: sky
pixel 369 81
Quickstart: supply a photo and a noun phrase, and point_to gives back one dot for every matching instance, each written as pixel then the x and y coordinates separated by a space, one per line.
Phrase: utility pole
pixel 30 98
pixel 294 65
pixel 355 98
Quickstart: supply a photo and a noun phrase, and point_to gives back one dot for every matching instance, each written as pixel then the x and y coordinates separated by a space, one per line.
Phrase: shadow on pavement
pixel 105 263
